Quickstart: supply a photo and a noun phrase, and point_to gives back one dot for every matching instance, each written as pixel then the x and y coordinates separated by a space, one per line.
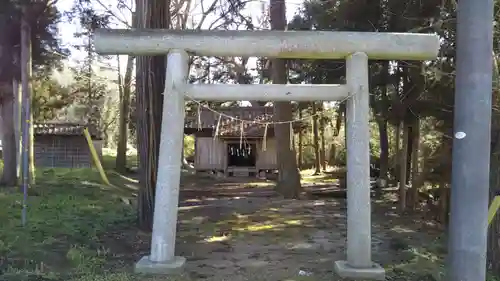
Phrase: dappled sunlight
pixel 258 227
pixel 319 179
pixel 194 220
pixel 187 208
pixel 260 184
pixel 217 238
pixel 86 227
pixel 240 216
pixel 293 222
pixel 400 229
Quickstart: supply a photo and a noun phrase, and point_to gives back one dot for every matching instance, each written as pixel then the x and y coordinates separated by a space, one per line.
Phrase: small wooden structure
pixel 235 147
pixel 63 145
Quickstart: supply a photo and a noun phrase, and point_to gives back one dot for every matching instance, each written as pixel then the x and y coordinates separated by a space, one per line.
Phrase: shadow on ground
pixel 227 230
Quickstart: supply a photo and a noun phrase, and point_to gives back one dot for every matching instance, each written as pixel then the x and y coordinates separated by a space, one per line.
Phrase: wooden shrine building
pixel 63 145
pixel 232 146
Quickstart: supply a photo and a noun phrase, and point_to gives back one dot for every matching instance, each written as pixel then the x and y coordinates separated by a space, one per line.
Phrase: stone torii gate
pixel 355 47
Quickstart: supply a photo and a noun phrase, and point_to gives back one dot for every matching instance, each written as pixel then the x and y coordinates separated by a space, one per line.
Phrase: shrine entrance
pixel 355 47
pixel 241 154
pixel 241 158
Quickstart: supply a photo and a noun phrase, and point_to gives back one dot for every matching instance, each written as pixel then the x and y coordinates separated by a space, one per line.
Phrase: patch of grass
pixel 332 176
pixel 260 184
pixel 424 265
pixel 108 160
pixel 123 276
pixel 68 211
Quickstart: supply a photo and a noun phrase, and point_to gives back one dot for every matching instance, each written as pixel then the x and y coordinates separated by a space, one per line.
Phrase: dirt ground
pixel 230 230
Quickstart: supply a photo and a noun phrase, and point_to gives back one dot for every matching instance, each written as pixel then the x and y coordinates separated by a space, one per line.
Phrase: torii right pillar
pixel 359 263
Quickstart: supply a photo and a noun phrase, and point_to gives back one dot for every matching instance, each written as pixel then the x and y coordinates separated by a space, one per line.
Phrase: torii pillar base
pixel 172 267
pixel 376 272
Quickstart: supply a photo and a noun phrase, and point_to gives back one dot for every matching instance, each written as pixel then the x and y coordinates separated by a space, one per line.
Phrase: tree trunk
pixel 16 88
pixel 9 175
pixel 289 179
pixel 409 151
pixel 494 228
pixel 323 143
pixel 415 169
pixel 339 119
pixel 381 107
pixel 300 158
pixel 332 154
pixel 444 202
pixel 31 156
pixel 384 151
pixel 7 73
pixel 121 149
pixel 317 160
pixel 150 83
pixel 402 168
pixel 26 69
pixel 397 143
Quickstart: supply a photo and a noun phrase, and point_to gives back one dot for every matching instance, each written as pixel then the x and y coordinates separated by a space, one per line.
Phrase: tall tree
pixel 150 79
pixel 46 54
pixel 289 178
pixel 125 88
pixel 150 82
pixel 317 157
pixel 26 70
pixel 494 229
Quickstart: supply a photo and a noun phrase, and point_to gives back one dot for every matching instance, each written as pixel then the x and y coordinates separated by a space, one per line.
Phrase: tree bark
pixel 9 175
pixel 121 149
pixel 150 83
pixel 381 119
pixel 409 151
pixel 289 179
pixel 402 168
pixel 300 157
pixel 415 169
pixel 444 202
pixel 323 142
pixel 317 160
pixel 340 118
pixel 384 150
pixel 16 88
pixel 26 70
pixel 7 72
pixel 397 147
pixel 494 228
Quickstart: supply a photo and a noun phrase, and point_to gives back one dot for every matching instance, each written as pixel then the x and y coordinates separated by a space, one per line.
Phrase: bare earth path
pixel 229 231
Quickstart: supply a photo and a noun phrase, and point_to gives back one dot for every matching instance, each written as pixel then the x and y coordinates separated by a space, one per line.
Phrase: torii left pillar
pixel 162 259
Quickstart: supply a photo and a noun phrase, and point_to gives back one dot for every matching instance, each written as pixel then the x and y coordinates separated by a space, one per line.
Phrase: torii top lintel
pixel 269 43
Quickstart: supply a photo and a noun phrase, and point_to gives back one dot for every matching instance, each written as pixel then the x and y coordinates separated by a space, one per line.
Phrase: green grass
pixel 68 213
pixel 71 215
